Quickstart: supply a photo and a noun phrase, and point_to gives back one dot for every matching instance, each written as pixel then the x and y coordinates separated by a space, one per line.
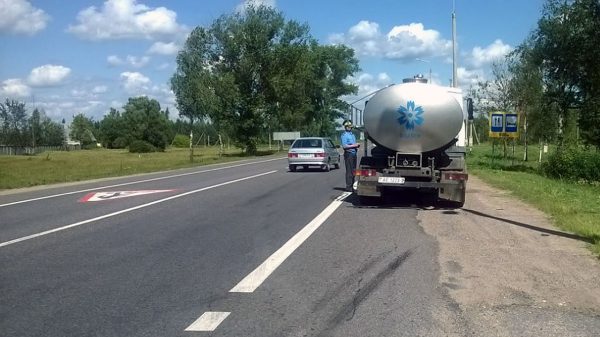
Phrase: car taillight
pixel 456 176
pixel 365 173
pixel 292 155
pixel 320 154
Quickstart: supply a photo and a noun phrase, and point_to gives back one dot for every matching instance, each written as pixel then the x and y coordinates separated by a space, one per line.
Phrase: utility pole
pixel 454 60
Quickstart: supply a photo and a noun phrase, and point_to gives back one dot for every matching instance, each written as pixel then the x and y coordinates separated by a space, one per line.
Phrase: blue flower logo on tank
pixel 410 115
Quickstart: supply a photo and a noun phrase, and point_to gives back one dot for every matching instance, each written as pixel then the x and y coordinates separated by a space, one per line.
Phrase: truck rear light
pixel 365 173
pixel 456 176
pixel 292 155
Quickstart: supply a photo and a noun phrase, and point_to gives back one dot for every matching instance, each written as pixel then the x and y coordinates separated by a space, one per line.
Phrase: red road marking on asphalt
pixel 109 195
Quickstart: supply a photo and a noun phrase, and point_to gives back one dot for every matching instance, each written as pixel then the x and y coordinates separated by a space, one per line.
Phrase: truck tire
pixel 369 201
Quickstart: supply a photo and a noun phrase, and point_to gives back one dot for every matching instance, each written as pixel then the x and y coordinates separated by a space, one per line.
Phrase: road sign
pixel 109 195
pixel 504 125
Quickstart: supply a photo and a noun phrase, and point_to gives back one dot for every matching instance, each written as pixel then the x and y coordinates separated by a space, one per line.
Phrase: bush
pixel 181 141
pixel 140 146
pixel 119 143
pixel 573 164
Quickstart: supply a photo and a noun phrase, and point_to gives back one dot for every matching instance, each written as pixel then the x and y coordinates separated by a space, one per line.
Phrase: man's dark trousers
pixel 350 163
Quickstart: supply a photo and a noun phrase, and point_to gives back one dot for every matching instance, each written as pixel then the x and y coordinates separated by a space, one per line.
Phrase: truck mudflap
pixel 453 187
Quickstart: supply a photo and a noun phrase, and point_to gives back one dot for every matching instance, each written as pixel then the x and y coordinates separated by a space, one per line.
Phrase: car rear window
pixel 311 143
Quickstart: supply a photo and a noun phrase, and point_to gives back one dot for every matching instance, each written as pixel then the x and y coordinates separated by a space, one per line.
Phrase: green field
pixel 60 166
pixel 572 206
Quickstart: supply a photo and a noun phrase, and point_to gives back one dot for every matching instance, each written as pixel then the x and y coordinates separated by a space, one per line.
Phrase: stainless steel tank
pixel 413 117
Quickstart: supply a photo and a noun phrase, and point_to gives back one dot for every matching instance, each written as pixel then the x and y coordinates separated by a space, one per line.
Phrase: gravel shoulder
pixel 510 272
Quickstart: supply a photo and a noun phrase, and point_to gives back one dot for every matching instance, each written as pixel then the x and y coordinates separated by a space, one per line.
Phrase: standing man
pixel 350 147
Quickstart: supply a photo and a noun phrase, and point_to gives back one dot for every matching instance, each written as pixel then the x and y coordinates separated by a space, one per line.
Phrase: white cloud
pixel 162 48
pixel 467 78
pixel 78 93
pixel 137 62
pixel 484 56
pixel 125 19
pixel 48 75
pixel 14 88
pixel 134 61
pixel 100 89
pixel 367 84
pixel 114 60
pixel 405 42
pixel 135 83
pixel 19 17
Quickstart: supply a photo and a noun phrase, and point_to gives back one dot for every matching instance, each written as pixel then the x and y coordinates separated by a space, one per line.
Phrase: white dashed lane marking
pixel 209 321
pixel 262 272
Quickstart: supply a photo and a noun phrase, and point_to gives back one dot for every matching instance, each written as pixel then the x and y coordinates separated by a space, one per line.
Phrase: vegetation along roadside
pixel 573 205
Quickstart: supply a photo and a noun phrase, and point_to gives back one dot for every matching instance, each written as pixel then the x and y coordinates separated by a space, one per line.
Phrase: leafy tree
pixel 35 127
pixel 14 124
pixel 527 91
pixel 254 71
pixel 565 45
pixel 144 121
pixel 82 130
pixel 51 133
pixel 112 126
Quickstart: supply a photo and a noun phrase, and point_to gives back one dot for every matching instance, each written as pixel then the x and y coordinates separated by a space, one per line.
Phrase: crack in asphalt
pixel 349 307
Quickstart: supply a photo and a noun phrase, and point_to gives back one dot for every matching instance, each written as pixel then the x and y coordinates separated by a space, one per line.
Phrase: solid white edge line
pixel 29 237
pixel 134 182
pixel 209 321
pixel 262 272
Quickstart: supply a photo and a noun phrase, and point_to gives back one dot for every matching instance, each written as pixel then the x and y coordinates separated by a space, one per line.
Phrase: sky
pixel 77 56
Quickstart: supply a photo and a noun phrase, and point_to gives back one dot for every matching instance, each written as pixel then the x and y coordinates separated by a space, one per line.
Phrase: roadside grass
pixel 61 166
pixel 573 207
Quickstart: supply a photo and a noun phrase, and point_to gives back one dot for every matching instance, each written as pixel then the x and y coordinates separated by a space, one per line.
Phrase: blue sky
pixel 76 56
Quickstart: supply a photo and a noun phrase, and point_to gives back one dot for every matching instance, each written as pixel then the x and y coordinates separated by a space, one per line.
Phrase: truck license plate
pixel 391 180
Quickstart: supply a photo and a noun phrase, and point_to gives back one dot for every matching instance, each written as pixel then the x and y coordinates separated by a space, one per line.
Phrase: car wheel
pixel 292 168
pixel 327 167
pixel 337 165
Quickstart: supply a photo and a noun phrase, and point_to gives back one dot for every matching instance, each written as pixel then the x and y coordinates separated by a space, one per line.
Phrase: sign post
pixel 504 125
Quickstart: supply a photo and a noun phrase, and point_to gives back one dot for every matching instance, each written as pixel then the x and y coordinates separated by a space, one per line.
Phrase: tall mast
pixel 454 59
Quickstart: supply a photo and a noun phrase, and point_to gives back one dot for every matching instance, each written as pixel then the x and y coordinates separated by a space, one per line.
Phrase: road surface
pixel 250 249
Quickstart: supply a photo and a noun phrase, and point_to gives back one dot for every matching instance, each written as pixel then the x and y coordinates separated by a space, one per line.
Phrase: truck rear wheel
pixel 369 201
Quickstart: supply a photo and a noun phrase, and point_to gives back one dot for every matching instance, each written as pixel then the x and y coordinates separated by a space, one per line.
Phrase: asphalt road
pixel 239 249
pixel 151 265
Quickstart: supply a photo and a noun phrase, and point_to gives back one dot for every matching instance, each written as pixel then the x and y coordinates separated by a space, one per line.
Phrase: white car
pixel 313 151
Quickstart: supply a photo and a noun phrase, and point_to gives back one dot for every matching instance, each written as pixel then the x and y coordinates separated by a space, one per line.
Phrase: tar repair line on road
pixel 29 237
pixel 134 182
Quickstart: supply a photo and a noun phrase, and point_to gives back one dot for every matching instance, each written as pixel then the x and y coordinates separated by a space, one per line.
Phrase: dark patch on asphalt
pixel 348 308
pixel 451 285
pixel 454 267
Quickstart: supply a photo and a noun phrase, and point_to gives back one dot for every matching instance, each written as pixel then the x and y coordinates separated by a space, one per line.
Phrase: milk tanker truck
pixel 419 136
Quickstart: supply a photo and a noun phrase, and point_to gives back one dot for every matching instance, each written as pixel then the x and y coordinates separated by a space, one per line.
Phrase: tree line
pixel 552 79
pixel 254 70
pixel 246 75
pixel 19 129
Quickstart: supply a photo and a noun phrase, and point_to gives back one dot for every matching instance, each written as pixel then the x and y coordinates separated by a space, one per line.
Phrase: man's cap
pixel 347 124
